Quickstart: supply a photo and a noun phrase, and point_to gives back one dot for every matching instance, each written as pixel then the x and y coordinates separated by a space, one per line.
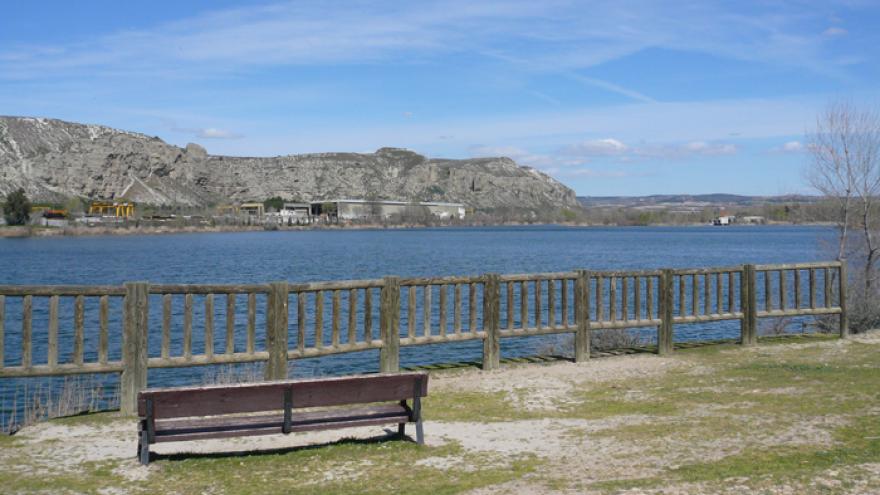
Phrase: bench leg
pixel 144 448
pixel 420 434
pixel 401 430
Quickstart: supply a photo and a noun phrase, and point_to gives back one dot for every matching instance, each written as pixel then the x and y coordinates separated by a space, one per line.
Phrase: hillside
pixel 54 160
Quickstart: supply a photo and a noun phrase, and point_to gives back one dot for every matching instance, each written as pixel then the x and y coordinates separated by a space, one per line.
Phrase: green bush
pixel 276 202
pixel 17 209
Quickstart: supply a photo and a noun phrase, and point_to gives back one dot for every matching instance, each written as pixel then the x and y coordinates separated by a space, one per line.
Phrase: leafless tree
pixel 845 167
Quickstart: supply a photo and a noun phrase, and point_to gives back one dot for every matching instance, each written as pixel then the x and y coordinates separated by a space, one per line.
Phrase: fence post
pixel 582 316
pixel 844 318
pixel 491 319
pixel 667 301
pixel 134 345
pixel 276 331
pixel 389 325
pixel 749 305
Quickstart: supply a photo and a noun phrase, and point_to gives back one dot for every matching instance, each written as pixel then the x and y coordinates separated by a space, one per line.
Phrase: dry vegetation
pixel 794 415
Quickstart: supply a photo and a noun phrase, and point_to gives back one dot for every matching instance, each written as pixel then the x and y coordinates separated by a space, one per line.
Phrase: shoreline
pixel 7 232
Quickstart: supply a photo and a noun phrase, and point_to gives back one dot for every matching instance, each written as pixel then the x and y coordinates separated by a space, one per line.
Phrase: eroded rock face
pixel 52 160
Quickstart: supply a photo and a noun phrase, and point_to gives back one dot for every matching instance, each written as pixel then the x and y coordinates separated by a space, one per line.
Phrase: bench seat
pixel 177 430
pixel 279 407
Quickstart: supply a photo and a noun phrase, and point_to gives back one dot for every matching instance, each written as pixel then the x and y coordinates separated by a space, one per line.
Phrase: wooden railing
pixel 155 326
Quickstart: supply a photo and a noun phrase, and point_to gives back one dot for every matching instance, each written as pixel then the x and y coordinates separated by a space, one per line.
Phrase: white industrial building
pixel 362 209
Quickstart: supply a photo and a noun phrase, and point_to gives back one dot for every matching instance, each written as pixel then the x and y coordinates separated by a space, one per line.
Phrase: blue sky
pixel 611 98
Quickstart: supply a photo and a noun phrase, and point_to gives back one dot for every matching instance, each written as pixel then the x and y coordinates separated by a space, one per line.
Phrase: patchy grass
pixel 465 406
pixel 91 478
pixel 795 415
pixel 344 467
pixel 858 444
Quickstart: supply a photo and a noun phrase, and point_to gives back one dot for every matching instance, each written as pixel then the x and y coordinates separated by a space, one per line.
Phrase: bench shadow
pixel 389 436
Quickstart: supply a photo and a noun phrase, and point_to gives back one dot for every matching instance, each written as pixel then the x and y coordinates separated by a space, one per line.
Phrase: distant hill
pixel 688 200
pixel 54 160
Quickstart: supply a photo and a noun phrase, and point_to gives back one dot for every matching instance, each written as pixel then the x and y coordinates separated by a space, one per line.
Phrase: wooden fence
pixel 385 314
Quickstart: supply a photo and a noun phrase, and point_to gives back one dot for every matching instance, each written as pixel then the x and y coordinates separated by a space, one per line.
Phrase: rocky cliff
pixel 54 160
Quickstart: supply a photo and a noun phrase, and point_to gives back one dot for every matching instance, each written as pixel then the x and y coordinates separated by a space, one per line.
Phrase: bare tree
pixel 845 167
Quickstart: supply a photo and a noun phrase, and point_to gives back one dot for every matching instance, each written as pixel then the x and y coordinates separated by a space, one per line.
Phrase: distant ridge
pixel 713 199
pixel 54 160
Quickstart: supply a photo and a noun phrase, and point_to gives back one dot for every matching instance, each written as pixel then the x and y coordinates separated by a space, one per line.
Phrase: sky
pixel 610 98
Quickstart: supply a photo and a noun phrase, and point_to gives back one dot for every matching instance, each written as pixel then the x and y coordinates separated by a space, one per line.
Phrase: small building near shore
pixel 253 210
pixel 724 220
pixel 54 218
pixel 361 209
pixel 296 212
pixel 115 209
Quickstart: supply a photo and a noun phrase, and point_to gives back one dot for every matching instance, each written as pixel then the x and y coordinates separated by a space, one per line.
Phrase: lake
pixel 300 256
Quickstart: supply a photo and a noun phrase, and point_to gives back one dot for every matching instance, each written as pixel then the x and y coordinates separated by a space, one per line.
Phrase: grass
pixel 803 418
pixel 347 466
pixel 844 386
pixel 378 467
pixel 858 444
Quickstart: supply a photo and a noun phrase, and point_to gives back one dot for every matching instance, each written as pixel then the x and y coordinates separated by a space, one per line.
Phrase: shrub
pixel 17 209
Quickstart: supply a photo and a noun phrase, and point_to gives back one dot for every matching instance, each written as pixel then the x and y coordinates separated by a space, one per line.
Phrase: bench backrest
pixel 269 396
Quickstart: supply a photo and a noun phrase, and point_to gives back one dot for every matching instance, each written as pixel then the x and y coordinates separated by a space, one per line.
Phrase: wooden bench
pixel 220 411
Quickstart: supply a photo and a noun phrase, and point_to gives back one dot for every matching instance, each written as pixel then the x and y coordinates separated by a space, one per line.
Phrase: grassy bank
pixel 785 417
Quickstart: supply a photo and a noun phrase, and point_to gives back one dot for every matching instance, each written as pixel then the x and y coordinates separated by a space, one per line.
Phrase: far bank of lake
pixel 131 230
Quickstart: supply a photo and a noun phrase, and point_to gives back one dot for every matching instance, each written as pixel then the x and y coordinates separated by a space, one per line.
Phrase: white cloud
pixel 597 147
pixel 834 31
pixel 790 147
pixel 555 165
pixel 572 161
pixel 519 155
pixel 206 132
pixel 610 147
pixel 793 146
pixel 593 173
pixel 614 88
pixel 211 133
pixel 704 148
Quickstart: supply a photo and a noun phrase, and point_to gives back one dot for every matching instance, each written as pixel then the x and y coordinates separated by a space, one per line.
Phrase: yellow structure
pixel 118 209
pixel 253 209
pixel 227 209
pixel 39 209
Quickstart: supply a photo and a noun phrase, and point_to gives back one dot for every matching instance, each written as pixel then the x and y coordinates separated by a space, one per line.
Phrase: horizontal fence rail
pixel 131 328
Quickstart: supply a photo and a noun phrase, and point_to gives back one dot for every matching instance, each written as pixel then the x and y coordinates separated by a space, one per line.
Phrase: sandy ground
pixel 576 447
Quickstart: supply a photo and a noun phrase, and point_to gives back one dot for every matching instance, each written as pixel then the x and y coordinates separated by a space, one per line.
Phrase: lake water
pixel 299 256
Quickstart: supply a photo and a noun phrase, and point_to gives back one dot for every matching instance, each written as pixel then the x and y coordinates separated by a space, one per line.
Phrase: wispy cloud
pixel 211 133
pixel 834 31
pixel 549 36
pixel 594 174
pixel 519 155
pixel 601 158
pixel 614 88
pixel 597 147
pixel 704 148
pixel 616 149
pixel 790 147
pixel 207 132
